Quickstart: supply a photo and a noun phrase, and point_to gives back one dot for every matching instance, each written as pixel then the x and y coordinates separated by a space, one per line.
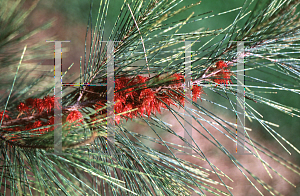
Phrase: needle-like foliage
pixel 149 60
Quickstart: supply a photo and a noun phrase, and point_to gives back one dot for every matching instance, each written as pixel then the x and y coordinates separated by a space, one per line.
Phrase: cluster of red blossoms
pixel 146 100
pixel 132 98
pixel 222 77
pixel 31 107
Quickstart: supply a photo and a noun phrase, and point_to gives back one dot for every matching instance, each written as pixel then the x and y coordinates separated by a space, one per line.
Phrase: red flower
pixel 196 91
pixel 38 104
pixel 128 107
pixel 29 102
pixel 50 122
pixel 117 119
pixel 100 105
pixel 221 64
pixel 5 115
pixel 35 125
pixel 179 78
pixel 22 107
pixel 73 116
pixel 48 103
pixel 222 77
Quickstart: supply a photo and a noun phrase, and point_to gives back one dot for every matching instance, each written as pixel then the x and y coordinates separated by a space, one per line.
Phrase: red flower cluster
pixel 146 100
pixel 30 107
pixel 132 95
pixel 222 77
pixel 73 116
pixel 35 125
pixel 197 91
pixel 39 105
pixel 5 115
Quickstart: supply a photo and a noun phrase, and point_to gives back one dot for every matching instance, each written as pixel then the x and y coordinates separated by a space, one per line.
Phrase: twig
pixel 22 145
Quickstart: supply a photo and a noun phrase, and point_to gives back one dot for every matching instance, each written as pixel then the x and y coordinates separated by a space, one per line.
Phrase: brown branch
pixel 22 145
